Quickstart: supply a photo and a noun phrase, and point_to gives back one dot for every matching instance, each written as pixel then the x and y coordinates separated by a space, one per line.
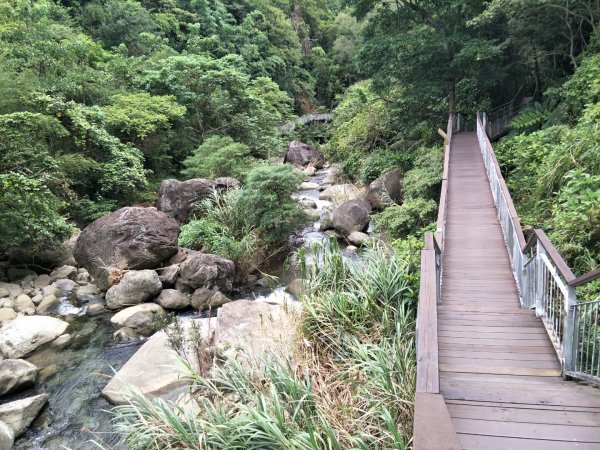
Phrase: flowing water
pixel 74 376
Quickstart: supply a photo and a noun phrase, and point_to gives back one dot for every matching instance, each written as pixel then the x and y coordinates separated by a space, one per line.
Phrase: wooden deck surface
pixel 499 374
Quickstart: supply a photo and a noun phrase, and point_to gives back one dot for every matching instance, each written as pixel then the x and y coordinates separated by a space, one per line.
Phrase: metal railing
pixel 545 282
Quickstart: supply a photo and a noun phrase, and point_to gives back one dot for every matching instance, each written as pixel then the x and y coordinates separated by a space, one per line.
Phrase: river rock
pixel 307 203
pixel 201 296
pixel 358 238
pixel 179 199
pixel 173 299
pixel 135 287
pixel 7 314
pixel 214 301
pixel 307 186
pixel 61 342
pixel 21 336
pixel 340 193
pixel 46 304
pixel 310 171
pixel 352 216
pixel 205 270
pixel 42 281
pixel 16 374
pixel 248 330
pixel 13 289
pixel 139 318
pixel 66 271
pixel 352 249
pixel 296 287
pixel 4 293
pixel 385 189
pixel 130 238
pixel 19 414
pixel 168 275
pixel 159 364
pixel 302 154
pixel 7 436
pixel 37 299
pixel 23 303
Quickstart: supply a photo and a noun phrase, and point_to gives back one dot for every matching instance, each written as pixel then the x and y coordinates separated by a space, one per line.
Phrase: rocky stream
pixel 61 341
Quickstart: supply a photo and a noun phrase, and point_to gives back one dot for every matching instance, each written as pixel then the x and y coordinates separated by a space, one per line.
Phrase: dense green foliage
pixel 553 166
pixel 248 224
pixel 359 322
pixel 100 99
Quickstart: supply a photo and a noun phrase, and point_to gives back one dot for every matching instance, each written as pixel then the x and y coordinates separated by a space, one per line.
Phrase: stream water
pixel 74 376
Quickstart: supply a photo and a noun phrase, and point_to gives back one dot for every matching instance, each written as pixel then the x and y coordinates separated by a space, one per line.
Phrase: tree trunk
pixel 452 97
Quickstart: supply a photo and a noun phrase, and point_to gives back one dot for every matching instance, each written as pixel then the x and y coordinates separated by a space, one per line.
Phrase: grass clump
pixel 350 386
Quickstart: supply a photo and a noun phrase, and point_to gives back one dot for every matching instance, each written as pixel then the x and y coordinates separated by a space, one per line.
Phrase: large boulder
pixel 139 318
pixel 179 199
pixel 130 238
pixel 250 330
pixel 154 369
pixel 352 216
pixel 385 189
pixel 135 287
pixel 16 374
pixel 19 414
pixel 173 299
pixel 21 336
pixel 303 154
pixel 340 193
pixel 205 270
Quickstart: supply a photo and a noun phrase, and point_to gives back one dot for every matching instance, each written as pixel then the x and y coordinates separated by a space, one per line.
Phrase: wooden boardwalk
pixel 499 373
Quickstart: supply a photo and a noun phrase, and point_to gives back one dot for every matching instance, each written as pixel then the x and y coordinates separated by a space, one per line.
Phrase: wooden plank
pixel 503 369
pixel 427 339
pixel 512 393
pixel 496 348
pixel 506 413
pixel 524 406
pixel 433 427
pixel 493 363
pixel 479 442
pixel 510 356
pixel 550 432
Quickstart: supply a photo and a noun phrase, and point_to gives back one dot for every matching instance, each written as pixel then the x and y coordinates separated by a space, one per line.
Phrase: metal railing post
pixel 571 326
pixel 540 282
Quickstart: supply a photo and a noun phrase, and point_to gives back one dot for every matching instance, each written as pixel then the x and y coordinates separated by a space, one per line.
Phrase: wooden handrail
pixel 585 278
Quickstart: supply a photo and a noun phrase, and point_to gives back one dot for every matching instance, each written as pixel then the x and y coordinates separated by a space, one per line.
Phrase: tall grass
pixel 350 386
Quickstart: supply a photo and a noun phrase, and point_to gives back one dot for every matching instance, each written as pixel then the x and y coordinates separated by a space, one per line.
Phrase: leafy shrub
pixel 268 193
pixel 29 213
pixel 245 224
pixel 406 219
pixel 576 219
pixel 379 161
pixel 424 179
pixel 219 156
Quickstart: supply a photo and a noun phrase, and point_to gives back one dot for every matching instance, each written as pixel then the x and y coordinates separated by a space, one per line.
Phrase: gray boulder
pixel 13 289
pixel 214 301
pixel 173 299
pixel 385 189
pixel 154 369
pixel 352 216
pixel 16 374
pixel 205 270
pixel 64 272
pixel 129 238
pixel 42 281
pixel 21 336
pixel 140 318
pixel 168 275
pixel 358 238
pixel 7 314
pixel 303 154
pixel 135 287
pixel 179 199
pixel 7 436
pixel 23 303
pixel 202 296
pixel 340 193
pixel 19 414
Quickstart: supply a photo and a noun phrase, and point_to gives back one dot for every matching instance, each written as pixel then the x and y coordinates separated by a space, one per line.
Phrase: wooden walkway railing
pixel 478 352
